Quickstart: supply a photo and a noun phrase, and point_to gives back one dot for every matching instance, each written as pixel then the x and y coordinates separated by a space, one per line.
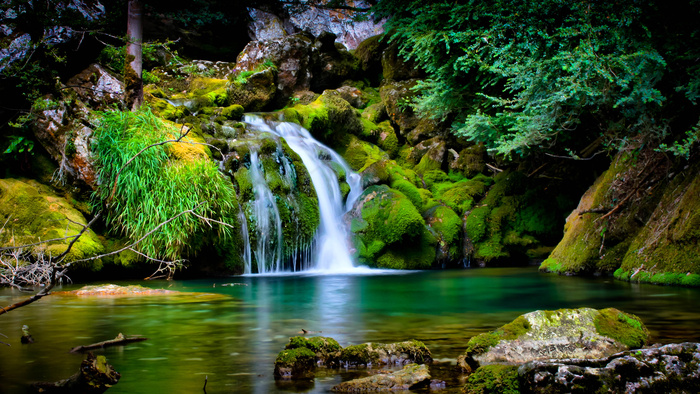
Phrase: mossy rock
pixel 256 93
pixel 232 112
pixel 329 118
pixel 297 363
pixel 447 227
pixel 495 378
pixel 387 216
pixel 326 349
pixel 33 212
pixel 398 353
pixel 583 333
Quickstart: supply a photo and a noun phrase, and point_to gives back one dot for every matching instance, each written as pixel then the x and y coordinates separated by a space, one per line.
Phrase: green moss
pixel 418 254
pixel 410 191
pixel 323 347
pixel 476 225
pixel 483 342
pixel 232 112
pixel 447 224
pixel 495 378
pixel 358 355
pixel 623 327
pixel 360 154
pixel 296 358
pixel 391 215
pixel 31 212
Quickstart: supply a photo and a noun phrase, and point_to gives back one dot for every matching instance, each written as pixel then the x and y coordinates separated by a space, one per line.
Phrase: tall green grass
pixel 154 188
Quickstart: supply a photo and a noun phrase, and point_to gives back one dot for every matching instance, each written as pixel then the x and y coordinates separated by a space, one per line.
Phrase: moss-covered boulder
pixel 447 227
pixel 396 96
pixel 667 249
pixel 297 363
pixel 32 212
pixel 329 118
pixel 326 349
pixel 395 67
pixel 398 353
pixel 430 155
pixel 411 377
pixel 389 231
pixel 566 333
pixel 369 53
pixel 579 250
pixel 256 91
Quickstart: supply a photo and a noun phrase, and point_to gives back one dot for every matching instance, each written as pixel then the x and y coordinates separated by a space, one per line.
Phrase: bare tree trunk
pixel 133 83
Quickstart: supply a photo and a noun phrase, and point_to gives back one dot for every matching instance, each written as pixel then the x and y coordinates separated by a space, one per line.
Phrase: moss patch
pixel 483 342
pixel 623 327
pixel 493 378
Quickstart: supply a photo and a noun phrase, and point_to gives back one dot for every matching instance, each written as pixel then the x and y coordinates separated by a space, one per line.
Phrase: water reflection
pixel 233 340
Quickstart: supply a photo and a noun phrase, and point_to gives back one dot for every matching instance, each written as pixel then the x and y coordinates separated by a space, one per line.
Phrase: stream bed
pixel 232 341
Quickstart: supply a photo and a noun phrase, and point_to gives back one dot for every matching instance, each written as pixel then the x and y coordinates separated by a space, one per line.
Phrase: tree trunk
pixel 133 84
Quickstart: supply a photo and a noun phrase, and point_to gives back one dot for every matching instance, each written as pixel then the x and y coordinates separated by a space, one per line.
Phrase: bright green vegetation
pixel 622 327
pixel 527 75
pixel 155 188
pixel 32 212
pixel 495 378
pixel 483 342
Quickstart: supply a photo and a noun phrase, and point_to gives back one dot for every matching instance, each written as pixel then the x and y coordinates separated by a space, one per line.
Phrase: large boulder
pixel 399 353
pixel 396 96
pixel 583 333
pixel 389 232
pixel 256 92
pixel 63 130
pixel 331 65
pixel 32 212
pixel 673 368
pixel 291 55
pixel 97 88
pixel 411 377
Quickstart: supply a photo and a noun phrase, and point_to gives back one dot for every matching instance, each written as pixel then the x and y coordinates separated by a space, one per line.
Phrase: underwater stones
pixel 395 95
pixel 583 333
pixel 97 88
pixel 669 368
pixel 412 376
pixel 32 212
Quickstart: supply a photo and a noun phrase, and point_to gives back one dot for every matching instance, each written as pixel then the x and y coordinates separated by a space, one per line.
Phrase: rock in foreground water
pixel 412 376
pixel 583 333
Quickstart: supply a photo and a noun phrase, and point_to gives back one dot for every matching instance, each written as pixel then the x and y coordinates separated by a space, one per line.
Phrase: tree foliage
pixel 521 75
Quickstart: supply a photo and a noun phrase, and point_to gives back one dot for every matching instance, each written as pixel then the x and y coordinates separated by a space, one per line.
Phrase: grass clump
pixel 153 188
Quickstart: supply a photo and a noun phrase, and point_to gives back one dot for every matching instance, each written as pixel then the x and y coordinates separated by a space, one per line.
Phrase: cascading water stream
pixel 332 252
pixel 268 251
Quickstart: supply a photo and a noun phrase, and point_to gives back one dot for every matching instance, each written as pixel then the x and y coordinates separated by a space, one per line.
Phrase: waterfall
pixel 331 252
pixel 268 251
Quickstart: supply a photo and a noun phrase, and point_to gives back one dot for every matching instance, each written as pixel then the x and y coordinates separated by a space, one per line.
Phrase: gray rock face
pixel 412 376
pixel 96 87
pixel 20 43
pixel 265 26
pixel 670 368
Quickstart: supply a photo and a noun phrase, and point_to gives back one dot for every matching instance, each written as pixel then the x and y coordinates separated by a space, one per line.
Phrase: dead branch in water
pixel 119 340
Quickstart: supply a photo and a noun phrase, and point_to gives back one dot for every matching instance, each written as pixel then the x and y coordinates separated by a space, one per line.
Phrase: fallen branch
pixel 119 340
pixel 56 275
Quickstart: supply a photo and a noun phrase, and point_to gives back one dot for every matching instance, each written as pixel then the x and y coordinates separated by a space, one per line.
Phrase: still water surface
pixel 232 338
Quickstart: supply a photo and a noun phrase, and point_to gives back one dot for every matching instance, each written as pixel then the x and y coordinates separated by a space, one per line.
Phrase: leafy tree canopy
pixel 523 75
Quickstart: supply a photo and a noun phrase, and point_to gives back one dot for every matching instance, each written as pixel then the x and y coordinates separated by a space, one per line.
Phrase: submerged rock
pixel 116 290
pixel 412 376
pixel 583 333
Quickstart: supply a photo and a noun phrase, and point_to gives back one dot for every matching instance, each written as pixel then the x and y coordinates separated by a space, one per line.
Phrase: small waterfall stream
pixel 330 250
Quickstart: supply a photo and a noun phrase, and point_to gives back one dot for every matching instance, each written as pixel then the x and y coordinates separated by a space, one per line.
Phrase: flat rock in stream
pixel 115 290
pixel 412 376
